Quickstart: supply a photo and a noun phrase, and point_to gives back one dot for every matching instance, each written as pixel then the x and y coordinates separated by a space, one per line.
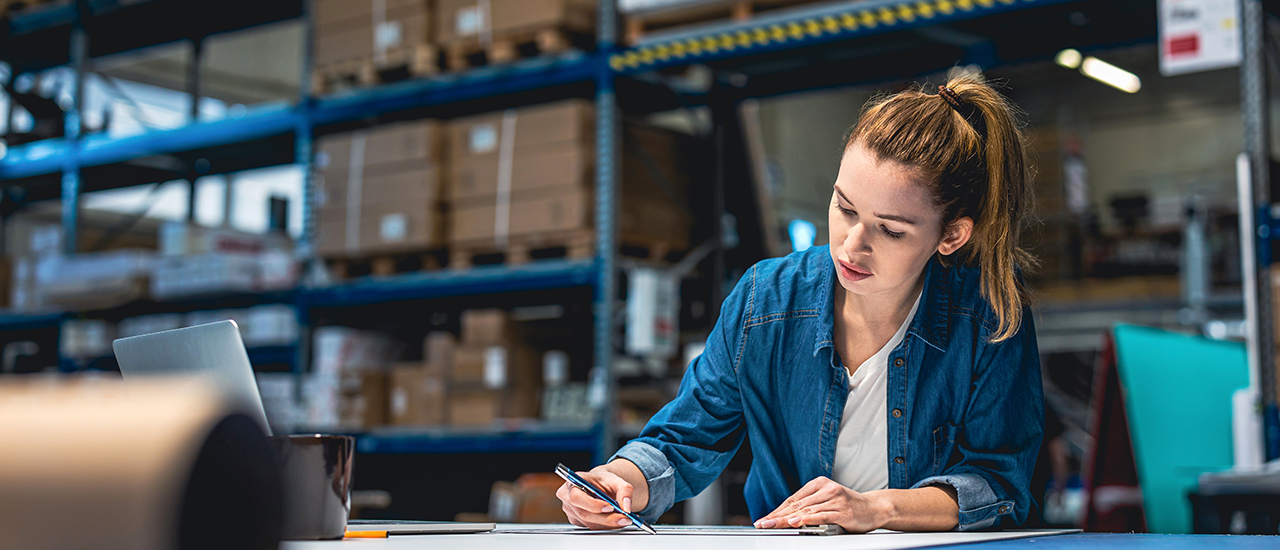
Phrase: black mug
pixel 316 474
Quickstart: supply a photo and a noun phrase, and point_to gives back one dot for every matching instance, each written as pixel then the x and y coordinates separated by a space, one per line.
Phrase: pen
pixel 589 488
pixel 365 535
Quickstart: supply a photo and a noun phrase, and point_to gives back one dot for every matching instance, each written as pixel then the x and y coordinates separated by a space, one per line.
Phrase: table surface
pixel 1039 540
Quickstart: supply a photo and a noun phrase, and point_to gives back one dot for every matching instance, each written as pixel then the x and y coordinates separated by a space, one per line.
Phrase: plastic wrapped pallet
pixel 380 190
pixel 358 30
pixel 527 175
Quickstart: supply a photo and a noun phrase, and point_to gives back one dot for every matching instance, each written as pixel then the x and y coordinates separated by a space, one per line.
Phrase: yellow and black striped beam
pixel 824 23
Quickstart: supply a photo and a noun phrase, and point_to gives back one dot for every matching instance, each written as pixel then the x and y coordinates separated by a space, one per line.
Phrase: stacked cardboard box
pixel 494 374
pixel 358 30
pixel 380 190
pixel 462 20
pixel 530 172
pixel 419 391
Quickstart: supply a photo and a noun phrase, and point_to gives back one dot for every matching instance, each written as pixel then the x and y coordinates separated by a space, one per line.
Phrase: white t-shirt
pixel 862 448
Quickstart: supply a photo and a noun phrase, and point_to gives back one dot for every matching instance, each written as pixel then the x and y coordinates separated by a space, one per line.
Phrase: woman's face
pixel 884 226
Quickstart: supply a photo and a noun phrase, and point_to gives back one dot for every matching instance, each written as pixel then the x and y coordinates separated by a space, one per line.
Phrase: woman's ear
pixel 957 234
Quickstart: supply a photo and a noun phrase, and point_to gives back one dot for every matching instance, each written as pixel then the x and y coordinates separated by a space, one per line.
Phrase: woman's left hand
pixel 823 501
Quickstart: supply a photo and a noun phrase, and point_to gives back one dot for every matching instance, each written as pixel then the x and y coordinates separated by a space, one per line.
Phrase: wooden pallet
pixel 384 264
pixel 509 46
pixel 561 245
pixel 14 6
pixel 698 12
pixel 397 64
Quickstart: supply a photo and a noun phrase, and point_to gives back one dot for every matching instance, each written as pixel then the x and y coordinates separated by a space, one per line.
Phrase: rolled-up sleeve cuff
pixel 657 471
pixel 979 507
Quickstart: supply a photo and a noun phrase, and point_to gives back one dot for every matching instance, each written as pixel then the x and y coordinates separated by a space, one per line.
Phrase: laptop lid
pixel 213 352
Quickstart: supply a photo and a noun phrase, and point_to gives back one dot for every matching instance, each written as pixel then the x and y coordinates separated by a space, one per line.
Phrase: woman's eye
pixel 891 234
pixel 846 210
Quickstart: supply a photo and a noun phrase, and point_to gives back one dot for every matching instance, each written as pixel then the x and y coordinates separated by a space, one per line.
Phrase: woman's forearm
pixel 932 508
pixel 631 473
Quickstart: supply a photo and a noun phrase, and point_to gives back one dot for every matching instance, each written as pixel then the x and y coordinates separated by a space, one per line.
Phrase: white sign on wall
pixel 1199 35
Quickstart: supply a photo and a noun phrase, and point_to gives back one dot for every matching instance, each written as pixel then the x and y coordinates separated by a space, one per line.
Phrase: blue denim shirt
pixel 962 411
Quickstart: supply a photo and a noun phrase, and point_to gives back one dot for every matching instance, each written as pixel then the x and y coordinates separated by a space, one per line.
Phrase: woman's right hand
pixel 587 511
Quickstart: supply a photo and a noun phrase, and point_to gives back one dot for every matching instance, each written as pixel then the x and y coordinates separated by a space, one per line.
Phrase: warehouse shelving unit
pixel 808 47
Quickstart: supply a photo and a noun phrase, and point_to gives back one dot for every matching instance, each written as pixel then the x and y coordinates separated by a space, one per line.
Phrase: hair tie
pixel 952 99
pixel 963 107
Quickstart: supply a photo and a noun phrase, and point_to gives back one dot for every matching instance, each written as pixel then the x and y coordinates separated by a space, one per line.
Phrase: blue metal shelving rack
pixel 782 33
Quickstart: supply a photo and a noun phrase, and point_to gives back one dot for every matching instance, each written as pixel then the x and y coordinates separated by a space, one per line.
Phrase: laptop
pixel 213 351
pixel 216 352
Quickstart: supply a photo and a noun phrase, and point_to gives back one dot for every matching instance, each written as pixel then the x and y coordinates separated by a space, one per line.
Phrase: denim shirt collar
pixel 929 324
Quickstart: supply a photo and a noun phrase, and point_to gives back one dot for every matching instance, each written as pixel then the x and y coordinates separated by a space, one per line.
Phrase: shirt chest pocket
pixel 944 444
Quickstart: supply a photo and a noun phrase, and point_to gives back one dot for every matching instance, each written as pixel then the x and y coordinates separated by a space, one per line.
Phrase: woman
pixel 888 380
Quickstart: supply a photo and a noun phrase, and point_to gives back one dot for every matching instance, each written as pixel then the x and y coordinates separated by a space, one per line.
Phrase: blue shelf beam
pixel 801 27
pixel 442 441
pixel 441 284
pixel 498 84
pixel 37 37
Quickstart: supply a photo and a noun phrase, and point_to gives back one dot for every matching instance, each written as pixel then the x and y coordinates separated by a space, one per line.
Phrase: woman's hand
pixel 823 501
pixel 585 510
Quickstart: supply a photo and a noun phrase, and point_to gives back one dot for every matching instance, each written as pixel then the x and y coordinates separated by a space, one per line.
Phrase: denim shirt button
pixel 897 413
pixel 897 362
pixel 1004 509
pixel 898 460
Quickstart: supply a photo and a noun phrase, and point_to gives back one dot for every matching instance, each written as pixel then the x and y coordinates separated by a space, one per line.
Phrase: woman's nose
pixel 856 239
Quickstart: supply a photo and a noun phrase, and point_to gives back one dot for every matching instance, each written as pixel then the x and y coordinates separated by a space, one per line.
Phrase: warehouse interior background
pixel 491 241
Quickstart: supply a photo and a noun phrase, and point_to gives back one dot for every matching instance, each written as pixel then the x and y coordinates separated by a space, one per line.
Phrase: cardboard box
pixel 565 210
pixel 536 128
pixel 464 19
pixel 474 407
pixel 437 351
pixel 363 401
pixel 382 227
pixel 475 179
pixel 487 327
pixel 418 397
pixel 402 27
pixel 349 12
pixel 418 183
pixel 531 499
pixel 389 144
pixel 496 367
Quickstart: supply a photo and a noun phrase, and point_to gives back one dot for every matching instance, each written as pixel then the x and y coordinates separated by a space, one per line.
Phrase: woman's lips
pixel 853 272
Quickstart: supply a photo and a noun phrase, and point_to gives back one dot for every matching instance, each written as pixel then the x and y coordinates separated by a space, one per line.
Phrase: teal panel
pixel 1177 392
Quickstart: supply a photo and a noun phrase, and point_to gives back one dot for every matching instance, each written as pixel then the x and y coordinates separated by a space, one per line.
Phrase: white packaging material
pixel 279 400
pixel 91 274
pixel 277 270
pixel 182 239
pixel 653 309
pixel 555 368
pixel 320 407
pixel 270 325
pixel 204 274
pixel 46 240
pixel 148 324
pixel 567 403
pixel 23 295
pixel 337 349
pixel 85 338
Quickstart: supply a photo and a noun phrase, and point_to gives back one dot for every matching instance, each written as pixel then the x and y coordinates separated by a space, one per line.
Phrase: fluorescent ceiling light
pixel 1110 75
pixel 1068 58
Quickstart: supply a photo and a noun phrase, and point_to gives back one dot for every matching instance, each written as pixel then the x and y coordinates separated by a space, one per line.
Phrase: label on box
pixel 322 160
pixel 495 367
pixel 399 402
pixel 387 35
pixel 470 20
pixel 394 227
pixel 555 368
pixel 483 138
